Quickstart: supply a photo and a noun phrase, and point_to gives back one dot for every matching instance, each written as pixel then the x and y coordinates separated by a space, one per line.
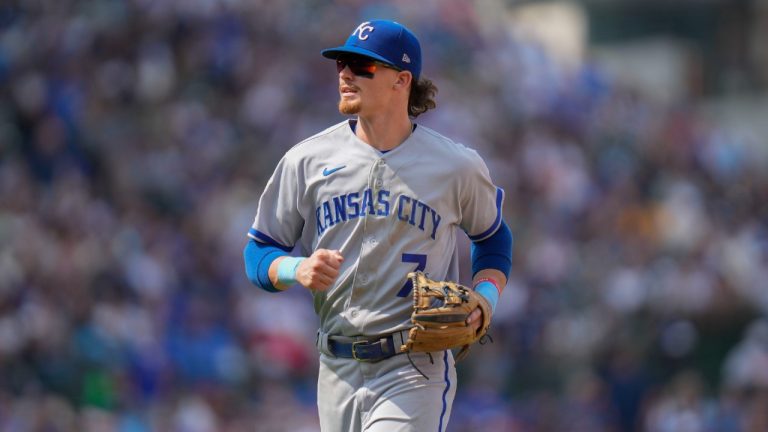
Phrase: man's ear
pixel 404 79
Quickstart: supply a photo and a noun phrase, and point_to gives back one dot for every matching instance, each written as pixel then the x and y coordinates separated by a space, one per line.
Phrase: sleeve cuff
pixel 260 236
pixel 496 223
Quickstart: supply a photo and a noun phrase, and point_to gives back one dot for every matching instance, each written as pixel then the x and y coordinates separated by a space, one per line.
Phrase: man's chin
pixel 349 108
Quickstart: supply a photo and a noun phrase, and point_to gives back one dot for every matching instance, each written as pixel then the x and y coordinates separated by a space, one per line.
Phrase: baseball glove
pixel 440 311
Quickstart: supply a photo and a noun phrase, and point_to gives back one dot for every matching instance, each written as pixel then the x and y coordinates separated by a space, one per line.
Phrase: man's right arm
pixel 273 270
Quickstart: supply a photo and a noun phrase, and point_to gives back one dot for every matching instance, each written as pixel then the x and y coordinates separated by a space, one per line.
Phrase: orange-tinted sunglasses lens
pixel 359 66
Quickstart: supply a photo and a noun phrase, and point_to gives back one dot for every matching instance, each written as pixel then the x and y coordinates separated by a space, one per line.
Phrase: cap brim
pixel 332 53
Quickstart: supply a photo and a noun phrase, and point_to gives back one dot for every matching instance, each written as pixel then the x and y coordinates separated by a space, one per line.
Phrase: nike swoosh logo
pixel 327 172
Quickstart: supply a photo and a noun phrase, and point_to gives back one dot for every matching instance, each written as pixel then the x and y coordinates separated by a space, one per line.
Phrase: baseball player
pixel 363 203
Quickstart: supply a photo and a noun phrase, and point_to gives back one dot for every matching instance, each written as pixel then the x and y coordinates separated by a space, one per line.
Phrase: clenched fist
pixel 319 270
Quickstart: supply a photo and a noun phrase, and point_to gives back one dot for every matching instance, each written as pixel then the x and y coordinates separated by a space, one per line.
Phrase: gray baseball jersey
pixel 388 213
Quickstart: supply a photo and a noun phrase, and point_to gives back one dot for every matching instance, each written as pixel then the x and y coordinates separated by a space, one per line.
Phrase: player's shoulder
pixel 448 149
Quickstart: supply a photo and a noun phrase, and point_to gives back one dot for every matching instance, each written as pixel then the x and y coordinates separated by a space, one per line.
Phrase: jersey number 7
pixel 421 264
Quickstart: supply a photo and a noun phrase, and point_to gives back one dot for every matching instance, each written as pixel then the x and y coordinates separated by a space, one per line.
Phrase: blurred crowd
pixel 135 139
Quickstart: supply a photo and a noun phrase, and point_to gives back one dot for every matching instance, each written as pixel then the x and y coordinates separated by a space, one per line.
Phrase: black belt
pixel 364 350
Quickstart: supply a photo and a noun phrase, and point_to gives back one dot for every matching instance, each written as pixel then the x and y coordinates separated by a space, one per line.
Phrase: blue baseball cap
pixel 386 41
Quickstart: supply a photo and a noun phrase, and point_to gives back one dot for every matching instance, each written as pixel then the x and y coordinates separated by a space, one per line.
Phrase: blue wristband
pixel 286 270
pixel 488 290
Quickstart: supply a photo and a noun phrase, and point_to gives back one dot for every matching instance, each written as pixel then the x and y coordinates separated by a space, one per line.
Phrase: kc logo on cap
pixel 361 29
pixel 386 41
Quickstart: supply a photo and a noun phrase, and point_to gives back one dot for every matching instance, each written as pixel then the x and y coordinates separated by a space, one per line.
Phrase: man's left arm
pixel 491 265
pixel 481 203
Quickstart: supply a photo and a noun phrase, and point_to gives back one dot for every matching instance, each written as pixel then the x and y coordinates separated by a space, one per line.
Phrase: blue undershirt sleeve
pixel 494 252
pixel 258 257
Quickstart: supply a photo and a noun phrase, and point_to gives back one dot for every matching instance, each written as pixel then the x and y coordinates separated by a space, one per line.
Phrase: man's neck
pixel 383 133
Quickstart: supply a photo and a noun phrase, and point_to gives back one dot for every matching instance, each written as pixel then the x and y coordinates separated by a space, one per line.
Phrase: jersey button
pixel 379 183
pixel 353 314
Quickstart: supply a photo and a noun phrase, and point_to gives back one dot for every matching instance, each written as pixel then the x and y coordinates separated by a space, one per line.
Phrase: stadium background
pixel 630 137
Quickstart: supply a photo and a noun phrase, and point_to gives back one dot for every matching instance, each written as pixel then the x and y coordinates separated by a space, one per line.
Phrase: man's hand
pixel 319 270
pixel 475 319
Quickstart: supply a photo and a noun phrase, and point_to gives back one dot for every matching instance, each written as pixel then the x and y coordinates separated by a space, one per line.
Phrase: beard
pixel 349 107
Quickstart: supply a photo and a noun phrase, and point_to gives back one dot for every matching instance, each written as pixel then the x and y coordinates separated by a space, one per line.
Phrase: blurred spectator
pixel 681 408
pixel 135 138
pixel 746 367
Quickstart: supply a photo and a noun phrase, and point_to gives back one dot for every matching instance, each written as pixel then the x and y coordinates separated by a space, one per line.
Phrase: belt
pixel 363 349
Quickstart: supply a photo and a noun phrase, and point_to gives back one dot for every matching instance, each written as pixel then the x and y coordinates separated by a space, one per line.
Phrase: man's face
pixel 363 84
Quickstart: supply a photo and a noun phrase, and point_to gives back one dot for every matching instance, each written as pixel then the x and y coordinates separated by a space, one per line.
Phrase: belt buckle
pixel 354 352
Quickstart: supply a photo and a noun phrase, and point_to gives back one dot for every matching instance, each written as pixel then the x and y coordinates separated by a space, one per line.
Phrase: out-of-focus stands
pixel 135 139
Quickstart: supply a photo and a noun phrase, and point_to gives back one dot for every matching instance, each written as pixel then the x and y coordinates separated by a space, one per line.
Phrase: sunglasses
pixel 361 66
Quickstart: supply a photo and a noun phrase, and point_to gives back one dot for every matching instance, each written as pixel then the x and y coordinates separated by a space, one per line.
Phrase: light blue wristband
pixel 488 290
pixel 286 270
